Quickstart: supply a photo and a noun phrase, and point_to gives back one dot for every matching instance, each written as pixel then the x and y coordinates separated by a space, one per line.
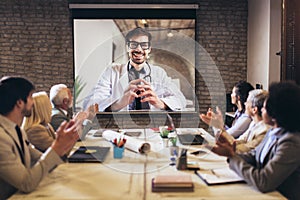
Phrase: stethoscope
pixel 145 77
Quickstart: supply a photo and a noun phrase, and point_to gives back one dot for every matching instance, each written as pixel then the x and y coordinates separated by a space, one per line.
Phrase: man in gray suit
pixel 275 163
pixel 62 102
pixel 21 166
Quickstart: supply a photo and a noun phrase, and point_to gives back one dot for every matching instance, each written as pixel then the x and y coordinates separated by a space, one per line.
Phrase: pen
pixel 214 173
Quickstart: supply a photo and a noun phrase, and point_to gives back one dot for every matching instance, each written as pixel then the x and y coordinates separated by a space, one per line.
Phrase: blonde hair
pixel 41 111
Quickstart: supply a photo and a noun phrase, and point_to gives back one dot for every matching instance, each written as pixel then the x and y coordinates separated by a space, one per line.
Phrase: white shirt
pixel 114 81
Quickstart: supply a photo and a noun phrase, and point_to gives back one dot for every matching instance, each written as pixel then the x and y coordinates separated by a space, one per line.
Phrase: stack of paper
pixel 172 183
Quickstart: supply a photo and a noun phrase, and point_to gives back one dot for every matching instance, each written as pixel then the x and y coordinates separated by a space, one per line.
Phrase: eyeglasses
pixel 134 45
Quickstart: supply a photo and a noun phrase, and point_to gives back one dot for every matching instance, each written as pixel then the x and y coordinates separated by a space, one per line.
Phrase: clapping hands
pixel 225 145
pixel 66 137
pixel 213 119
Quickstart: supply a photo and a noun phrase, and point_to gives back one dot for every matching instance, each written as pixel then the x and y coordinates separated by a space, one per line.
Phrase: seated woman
pixel 257 128
pixel 275 163
pixel 242 120
pixel 39 131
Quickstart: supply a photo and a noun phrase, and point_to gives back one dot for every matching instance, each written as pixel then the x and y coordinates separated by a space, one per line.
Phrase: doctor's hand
pixel 148 95
pixel 129 95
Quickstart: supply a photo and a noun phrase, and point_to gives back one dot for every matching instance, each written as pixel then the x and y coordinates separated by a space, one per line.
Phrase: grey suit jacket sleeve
pixel 281 166
pixel 57 119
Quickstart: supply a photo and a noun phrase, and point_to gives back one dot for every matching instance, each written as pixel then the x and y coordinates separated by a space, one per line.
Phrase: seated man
pixel 22 167
pixel 257 129
pixel 274 164
pixel 62 102
pixel 136 85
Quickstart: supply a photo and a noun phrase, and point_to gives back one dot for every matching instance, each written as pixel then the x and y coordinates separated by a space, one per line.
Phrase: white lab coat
pixel 114 80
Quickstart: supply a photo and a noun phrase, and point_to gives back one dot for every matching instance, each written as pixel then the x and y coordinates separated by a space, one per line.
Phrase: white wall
pixel 264 26
pixel 93 50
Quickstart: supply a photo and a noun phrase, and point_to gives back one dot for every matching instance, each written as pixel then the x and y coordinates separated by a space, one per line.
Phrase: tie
pixel 136 104
pixel 21 151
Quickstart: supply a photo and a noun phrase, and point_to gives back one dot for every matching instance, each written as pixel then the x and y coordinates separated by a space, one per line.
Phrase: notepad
pixel 219 176
pixel 89 154
pixel 172 183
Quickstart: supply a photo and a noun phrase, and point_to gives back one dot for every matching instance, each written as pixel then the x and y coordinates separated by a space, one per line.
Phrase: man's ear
pixel 66 101
pixel 254 110
pixel 19 103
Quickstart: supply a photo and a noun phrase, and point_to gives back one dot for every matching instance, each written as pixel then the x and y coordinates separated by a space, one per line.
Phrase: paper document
pixel 134 144
pixel 219 176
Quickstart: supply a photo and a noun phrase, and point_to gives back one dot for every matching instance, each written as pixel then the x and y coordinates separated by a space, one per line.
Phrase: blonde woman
pixel 39 131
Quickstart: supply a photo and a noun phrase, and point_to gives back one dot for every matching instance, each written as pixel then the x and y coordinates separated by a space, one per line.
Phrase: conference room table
pixel 131 176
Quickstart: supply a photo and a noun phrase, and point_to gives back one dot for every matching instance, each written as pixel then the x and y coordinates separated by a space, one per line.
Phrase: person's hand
pixel 225 145
pixel 81 116
pixel 213 119
pixel 66 137
pixel 129 95
pixel 148 95
pixel 91 111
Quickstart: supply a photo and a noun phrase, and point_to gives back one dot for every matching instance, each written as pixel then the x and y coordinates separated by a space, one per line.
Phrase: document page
pixel 219 176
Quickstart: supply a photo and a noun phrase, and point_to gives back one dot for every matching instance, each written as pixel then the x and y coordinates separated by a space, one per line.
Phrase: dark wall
pixel 36 42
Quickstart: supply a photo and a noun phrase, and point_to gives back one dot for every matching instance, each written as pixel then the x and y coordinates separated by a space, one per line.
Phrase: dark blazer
pixel 14 174
pixel 280 169
pixel 57 117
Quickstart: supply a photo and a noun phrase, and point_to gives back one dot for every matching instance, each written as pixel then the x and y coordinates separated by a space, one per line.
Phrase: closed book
pixel 173 181
pixel 171 188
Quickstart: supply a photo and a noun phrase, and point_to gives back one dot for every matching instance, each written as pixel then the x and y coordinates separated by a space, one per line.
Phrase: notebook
pixel 89 154
pixel 219 176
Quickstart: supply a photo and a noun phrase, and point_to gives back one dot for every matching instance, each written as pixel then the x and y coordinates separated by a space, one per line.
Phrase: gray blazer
pixel 57 117
pixel 280 169
pixel 14 175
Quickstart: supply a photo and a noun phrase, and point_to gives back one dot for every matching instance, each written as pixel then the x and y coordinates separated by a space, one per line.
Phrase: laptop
pixel 190 139
pixel 94 154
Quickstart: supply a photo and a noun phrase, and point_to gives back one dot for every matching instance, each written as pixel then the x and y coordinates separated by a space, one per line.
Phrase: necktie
pixel 21 151
pixel 137 104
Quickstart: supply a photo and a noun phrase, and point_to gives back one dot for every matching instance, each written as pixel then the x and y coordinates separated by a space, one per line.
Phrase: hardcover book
pixel 172 183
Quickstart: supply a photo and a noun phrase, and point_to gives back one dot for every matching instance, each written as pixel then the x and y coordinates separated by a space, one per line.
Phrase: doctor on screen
pixel 136 85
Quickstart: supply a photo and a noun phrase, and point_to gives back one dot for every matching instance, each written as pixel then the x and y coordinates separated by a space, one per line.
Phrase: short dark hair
pixel 13 89
pixel 283 104
pixel 242 90
pixel 137 32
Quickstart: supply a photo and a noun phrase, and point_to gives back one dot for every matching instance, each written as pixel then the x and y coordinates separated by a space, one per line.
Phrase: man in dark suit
pixel 21 166
pixel 275 163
